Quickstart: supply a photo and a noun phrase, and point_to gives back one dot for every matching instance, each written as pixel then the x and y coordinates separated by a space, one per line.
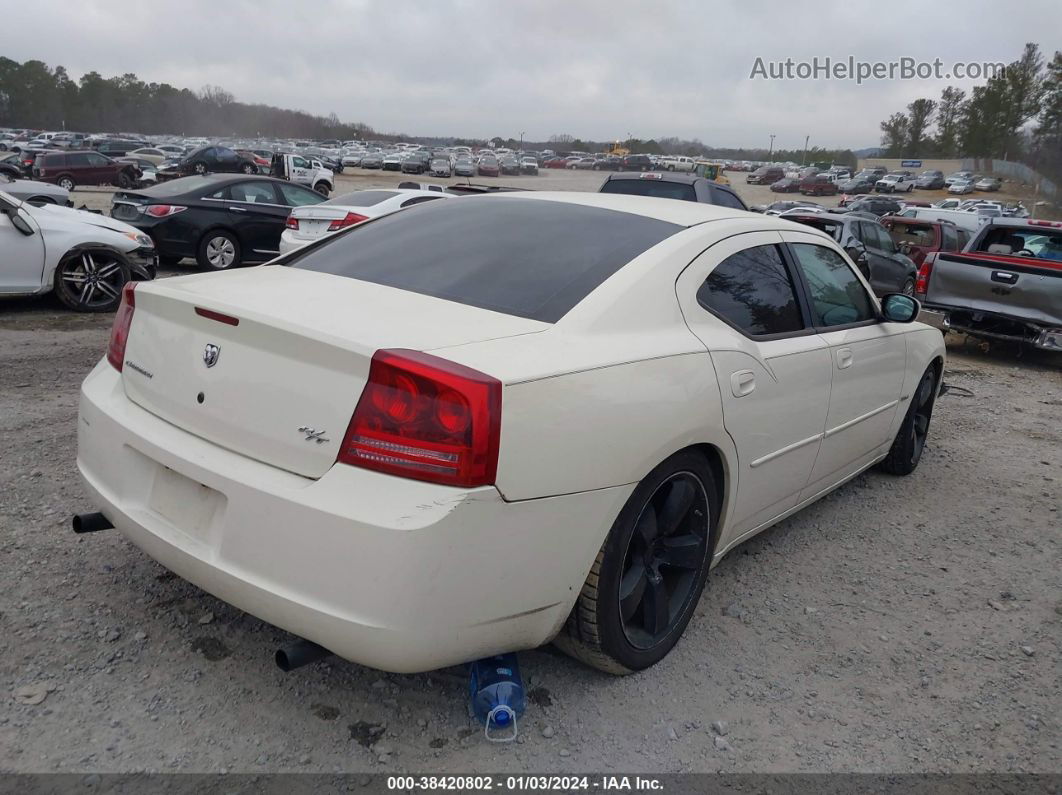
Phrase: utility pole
pixel 805 155
pixel 772 147
pixel 521 139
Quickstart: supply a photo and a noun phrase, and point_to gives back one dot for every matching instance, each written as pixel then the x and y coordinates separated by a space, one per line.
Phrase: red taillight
pixel 292 222
pixel 349 220
pixel 123 318
pixel 924 272
pixel 163 210
pixel 426 418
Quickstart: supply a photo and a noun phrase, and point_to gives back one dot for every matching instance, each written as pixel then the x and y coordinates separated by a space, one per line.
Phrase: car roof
pixel 682 213
pixel 659 176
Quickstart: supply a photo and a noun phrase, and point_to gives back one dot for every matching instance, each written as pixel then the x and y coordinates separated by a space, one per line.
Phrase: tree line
pixel 1015 115
pixel 35 96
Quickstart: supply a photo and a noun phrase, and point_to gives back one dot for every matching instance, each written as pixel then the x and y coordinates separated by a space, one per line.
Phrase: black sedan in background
pixel 222 220
pixel 213 159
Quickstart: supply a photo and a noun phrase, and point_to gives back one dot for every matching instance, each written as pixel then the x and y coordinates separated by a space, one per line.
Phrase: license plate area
pixel 188 506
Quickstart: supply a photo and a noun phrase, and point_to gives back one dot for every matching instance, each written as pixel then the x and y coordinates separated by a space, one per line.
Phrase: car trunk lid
pixel 270 362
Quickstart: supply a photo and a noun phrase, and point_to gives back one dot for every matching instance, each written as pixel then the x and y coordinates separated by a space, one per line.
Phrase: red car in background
pixel 916 237
pixel 818 185
pixel 556 162
pixel 262 162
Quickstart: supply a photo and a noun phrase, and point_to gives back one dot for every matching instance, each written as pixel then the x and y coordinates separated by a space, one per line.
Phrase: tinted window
pixel 837 295
pixel 294 196
pixel 725 198
pixel 524 257
pixel 949 240
pixel 752 291
pixel 362 198
pixel 651 187
pixel 78 159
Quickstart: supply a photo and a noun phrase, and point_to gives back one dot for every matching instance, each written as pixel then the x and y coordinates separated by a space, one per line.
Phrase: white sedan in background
pixel 310 223
pixel 477 426
pixel 84 258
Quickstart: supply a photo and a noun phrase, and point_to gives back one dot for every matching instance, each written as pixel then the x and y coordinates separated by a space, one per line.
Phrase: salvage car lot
pixel 816 652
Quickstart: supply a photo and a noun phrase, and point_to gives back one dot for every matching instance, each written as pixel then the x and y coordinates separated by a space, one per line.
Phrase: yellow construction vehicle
pixel 617 149
pixel 710 170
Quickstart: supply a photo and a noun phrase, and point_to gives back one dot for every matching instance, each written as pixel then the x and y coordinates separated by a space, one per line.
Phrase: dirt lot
pixel 897 625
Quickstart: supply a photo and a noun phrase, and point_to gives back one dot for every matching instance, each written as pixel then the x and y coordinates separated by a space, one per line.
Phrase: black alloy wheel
pixel 647 578
pixel 910 441
pixel 91 281
pixel 665 552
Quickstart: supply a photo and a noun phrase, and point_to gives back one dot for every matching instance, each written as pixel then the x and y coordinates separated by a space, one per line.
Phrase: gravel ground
pixel 897 625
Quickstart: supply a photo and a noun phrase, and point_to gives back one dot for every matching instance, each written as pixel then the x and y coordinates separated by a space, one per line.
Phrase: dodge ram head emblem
pixel 211 354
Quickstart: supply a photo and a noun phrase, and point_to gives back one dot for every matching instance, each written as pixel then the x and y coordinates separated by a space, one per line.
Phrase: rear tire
pixel 910 441
pixel 218 250
pixel 322 188
pixel 66 183
pixel 648 576
pixel 247 168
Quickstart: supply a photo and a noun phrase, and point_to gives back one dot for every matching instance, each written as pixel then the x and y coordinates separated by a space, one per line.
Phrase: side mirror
pixel 19 222
pixel 899 308
pixel 905 248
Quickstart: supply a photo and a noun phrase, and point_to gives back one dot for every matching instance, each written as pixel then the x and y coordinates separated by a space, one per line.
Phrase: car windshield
pixel 651 187
pixel 533 259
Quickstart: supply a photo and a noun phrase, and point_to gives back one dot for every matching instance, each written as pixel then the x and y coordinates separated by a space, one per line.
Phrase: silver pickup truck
pixel 1006 283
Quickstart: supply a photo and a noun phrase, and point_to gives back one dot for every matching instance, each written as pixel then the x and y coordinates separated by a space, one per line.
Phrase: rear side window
pixel 294 196
pixel 524 257
pixel 752 291
pixel 659 188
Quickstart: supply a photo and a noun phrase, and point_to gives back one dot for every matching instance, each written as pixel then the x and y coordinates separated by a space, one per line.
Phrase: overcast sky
pixel 596 69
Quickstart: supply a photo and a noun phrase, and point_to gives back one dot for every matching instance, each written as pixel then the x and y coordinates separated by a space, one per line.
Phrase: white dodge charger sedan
pixel 477 426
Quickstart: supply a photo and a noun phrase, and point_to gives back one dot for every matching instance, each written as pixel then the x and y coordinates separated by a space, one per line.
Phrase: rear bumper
pixel 387 572
pixel 990 325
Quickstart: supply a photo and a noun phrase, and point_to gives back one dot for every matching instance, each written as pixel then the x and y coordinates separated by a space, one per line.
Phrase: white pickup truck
pixel 677 163
pixel 301 170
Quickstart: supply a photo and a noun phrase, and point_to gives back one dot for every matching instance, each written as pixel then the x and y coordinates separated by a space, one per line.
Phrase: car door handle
pixel 237 210
pixel 742 383
pixel 844 358
pixel 1003 276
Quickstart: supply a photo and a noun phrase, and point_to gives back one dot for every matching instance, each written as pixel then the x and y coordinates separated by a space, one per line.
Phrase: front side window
pixel 838 298
pixel 96 160
pixel 752 291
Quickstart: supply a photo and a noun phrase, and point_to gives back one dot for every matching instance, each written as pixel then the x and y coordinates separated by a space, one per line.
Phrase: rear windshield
pixel 832 228
pixel 361 198
pixel 659 188
pixel 523 257
pixel 915 234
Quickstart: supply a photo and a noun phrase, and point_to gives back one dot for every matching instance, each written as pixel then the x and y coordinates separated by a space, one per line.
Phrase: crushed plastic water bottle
pixel 496 695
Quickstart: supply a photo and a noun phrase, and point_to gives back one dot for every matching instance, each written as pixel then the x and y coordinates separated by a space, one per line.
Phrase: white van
pixel 971 222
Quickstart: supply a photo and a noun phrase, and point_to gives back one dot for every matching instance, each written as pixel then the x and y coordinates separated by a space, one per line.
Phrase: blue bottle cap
pixel 501 717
